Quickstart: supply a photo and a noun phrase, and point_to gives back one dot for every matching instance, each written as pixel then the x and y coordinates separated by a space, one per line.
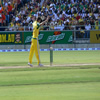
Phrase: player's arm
pixel 42 23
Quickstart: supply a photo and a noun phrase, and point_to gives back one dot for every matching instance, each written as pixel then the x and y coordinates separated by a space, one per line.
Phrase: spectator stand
pixel 79 15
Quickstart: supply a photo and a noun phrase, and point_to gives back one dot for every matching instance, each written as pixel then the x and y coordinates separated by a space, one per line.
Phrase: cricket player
pixel 34 44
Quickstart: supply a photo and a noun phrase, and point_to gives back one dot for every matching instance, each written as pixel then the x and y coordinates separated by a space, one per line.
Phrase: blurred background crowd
pixel 65 14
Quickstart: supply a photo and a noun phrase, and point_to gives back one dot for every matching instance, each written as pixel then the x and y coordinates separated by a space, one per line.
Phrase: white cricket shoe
pixel 30 65
pixel 40 65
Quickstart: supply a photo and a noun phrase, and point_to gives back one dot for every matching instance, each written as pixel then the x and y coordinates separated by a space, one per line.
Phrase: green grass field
pixel 50 83
pixel 59 57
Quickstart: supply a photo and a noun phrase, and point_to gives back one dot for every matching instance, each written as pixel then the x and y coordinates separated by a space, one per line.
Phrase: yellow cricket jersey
pixel 36 27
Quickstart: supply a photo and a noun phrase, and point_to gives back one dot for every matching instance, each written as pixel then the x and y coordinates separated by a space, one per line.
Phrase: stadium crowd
pixel 64 15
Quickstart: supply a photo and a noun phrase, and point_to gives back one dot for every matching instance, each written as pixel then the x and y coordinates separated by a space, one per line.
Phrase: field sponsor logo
pixel 56 33
pixel 70 39
pixel 5 38
pixel 18 38
pixel 10 38
pixel 94 36
pixel 58 36
pixel 98 36
pixel 29 38
pixel 40 37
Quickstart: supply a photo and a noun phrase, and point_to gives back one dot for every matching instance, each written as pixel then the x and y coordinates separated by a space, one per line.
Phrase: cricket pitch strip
pixel 59 65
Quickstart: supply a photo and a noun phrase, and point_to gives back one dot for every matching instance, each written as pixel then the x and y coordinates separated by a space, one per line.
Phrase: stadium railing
pixel 79 31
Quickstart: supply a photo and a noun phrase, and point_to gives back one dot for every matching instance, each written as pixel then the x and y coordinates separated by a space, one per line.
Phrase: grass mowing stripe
pixel 98 81
pixel 86 91
pixel 50 68
pixel 49 76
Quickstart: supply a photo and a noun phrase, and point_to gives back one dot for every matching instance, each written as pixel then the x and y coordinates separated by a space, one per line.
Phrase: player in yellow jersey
pixel 35 45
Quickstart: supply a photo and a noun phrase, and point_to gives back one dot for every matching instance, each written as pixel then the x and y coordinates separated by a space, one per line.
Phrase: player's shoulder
pixel 38 24
pixel 34 23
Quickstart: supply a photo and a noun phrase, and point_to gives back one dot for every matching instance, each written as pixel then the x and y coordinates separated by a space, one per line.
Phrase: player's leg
pixel 32 50
pixel 37 52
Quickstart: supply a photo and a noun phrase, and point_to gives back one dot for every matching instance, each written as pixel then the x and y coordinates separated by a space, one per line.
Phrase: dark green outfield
pixel 50 83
